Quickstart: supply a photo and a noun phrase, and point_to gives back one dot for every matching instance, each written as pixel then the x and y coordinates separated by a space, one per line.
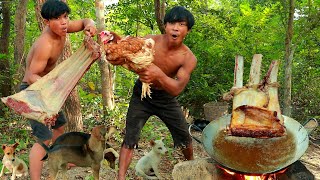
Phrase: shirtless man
pixel 42 58
pixel 169 74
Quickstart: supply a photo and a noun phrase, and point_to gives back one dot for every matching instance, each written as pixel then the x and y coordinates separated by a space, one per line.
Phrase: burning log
pixel 255 110
pixel 43 99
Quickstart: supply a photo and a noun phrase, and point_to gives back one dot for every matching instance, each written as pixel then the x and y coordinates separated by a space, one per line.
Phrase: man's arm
pixel 173 86
pixel 84 24
pixel 38 61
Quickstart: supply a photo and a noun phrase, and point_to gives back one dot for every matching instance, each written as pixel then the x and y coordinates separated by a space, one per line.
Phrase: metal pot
pixel 201 124
pixel 254 155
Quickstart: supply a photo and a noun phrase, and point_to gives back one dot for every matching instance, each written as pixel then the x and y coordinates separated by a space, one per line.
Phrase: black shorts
pixel 40 130
pixel 163 105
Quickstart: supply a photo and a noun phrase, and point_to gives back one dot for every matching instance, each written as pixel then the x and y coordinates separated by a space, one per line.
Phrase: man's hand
pixel 149 74
pixel 50 121
pixel 93 46
pixel 90 30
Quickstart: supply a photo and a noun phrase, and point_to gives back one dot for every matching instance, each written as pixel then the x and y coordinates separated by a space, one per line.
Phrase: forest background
pixel 284 30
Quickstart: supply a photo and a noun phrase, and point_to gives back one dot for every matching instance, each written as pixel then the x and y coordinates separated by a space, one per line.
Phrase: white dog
pixel 147 166
pixel 14 164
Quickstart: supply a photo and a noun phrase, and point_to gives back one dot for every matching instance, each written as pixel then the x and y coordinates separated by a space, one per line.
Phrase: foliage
pixel 306 62
pixel 132 17
pixel 306 94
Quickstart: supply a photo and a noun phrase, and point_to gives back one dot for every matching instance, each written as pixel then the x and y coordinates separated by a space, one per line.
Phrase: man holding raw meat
pixel 168 75
pixel 42 58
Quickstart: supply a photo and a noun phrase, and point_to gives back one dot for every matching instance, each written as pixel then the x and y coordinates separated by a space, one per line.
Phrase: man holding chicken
pixel 168 75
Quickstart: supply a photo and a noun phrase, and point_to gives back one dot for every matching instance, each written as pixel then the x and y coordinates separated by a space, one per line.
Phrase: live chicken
pixel 136 52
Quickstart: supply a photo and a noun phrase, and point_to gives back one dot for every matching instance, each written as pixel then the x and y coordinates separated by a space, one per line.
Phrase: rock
pixel 201 169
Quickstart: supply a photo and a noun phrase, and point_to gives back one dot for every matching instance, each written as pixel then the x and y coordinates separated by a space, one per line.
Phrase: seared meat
pixel 256 111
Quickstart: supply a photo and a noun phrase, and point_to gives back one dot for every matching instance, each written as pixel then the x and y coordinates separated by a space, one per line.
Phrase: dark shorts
pixel 40 130
pixel 163 105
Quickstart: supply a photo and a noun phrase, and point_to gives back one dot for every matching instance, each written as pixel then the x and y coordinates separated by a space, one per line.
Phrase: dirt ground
pixel 166 166
pixel 311 159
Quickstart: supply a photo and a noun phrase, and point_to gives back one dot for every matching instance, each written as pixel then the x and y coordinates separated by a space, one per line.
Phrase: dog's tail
pixel 46 148
pixel 110 155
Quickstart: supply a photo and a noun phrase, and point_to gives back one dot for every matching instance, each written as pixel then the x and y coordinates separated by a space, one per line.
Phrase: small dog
pixel 81 149
pixel 14 164
pixel 147 166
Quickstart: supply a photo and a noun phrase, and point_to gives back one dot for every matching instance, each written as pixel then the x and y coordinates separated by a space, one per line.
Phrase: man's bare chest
pixel 168 63
pixel 54 57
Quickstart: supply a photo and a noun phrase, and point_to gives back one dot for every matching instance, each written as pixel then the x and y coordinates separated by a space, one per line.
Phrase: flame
pixel 252 177
pixel 271 176
pixel 228 171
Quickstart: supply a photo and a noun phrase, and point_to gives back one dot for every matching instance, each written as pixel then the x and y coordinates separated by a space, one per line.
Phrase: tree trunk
pixel 105 67
pixel 20 31
pixel 72 107
pixel 288 61
pixel 38 13
pixel 5 76
pixel 159 9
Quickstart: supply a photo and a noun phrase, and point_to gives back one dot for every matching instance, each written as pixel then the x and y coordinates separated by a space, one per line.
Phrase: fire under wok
pixel 255 155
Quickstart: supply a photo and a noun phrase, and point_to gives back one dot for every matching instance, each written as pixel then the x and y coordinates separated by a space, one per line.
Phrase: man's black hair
pixel 53 9
pixel 179 14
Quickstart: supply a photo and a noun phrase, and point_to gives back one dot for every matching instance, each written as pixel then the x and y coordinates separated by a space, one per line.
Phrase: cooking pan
pixel 254 155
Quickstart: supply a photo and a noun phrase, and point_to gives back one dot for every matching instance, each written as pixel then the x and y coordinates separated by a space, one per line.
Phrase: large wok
pixel 254 155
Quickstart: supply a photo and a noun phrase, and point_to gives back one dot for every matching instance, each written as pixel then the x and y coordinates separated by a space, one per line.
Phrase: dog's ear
pixel 110 130
pixel 4 146
pixel 98 132
pixel 103 131
pixel 152 143
pixel 15 145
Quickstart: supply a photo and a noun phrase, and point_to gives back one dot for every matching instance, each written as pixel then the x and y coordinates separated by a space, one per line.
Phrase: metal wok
pixel 254 155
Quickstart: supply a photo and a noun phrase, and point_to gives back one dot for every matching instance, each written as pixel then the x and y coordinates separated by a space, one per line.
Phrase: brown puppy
pixel 14 164
pixel 81 149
